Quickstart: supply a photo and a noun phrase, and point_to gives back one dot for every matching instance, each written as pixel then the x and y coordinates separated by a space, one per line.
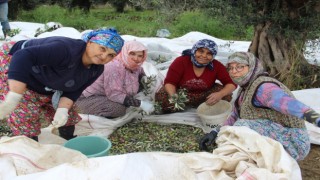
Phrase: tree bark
pixel 274 50
pixel 283 57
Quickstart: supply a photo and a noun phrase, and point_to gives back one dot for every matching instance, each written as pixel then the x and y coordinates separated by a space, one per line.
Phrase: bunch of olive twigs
pixel 179 99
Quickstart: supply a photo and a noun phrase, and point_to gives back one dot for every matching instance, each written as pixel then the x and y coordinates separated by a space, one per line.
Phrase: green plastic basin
pixel 91 146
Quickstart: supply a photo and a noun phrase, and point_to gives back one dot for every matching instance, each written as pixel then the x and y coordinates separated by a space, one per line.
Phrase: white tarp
pixel 242 153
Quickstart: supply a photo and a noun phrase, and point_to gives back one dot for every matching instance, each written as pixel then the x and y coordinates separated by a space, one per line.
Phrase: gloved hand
pixel 60 117
pixel 9 104
pixel 312 117
pixel 147 106
pixel 209 139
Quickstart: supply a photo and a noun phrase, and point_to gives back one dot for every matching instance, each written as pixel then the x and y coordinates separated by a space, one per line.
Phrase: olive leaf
pixel 13 32
pixel 147 83
pixel 179 99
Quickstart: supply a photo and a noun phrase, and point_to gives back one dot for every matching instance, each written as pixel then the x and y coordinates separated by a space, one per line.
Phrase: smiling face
pixel 136 57
pixel 237 70
pixel 97 54
pixel 203 56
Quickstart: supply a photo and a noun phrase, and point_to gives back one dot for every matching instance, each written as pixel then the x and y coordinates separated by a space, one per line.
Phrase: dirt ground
pixel 310 166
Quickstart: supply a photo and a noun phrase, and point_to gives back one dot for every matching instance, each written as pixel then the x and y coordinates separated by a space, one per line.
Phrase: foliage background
pixel 139 23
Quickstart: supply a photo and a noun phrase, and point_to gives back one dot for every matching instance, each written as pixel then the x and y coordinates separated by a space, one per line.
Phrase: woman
pixel 196 71
pixel 48 75
pixel 114 91
pixel 266 106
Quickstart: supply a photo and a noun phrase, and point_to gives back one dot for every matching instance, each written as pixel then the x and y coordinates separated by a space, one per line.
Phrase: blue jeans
pixel 4 17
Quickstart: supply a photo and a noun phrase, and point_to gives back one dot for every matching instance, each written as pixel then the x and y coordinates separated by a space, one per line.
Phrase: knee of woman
pixel 304 151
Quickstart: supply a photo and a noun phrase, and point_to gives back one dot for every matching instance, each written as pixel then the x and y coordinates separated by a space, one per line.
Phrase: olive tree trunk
pixel 283 57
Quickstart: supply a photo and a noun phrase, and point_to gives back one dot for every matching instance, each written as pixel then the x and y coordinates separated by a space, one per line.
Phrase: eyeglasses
pixel 238 68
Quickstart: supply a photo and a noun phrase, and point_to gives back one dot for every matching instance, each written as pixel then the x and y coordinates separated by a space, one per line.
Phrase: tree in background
pixel 16 5
pixel 281 29
pixel 84 5
pixel 119 5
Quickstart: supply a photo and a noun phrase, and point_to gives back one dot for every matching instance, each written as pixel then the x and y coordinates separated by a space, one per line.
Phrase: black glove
pixel 312 117
pixel 207 139
pixel 131 101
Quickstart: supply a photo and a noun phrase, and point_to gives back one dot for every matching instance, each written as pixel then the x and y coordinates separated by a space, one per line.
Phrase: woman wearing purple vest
pixel 266 106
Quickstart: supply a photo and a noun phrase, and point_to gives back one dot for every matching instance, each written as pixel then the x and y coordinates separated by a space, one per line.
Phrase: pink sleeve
pixel 272 96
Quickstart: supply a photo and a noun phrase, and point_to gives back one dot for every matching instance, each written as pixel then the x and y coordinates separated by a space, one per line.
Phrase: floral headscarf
pixel 255 67
pixel 107 37
pixel 204 43
pixel 124 54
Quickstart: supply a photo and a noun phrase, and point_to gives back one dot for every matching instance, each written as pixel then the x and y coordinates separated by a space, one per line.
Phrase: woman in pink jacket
pixel 114 91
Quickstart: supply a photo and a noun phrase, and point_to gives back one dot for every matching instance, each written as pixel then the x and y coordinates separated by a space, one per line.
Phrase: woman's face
pixel 237 70
pixel 203 56
pixel 136 57
pixel 98 54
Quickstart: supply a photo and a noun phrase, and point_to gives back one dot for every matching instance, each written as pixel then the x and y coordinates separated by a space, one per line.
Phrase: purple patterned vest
pixel 249 111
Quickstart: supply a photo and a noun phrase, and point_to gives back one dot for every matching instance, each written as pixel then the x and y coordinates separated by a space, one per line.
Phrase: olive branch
pixel 179 99
pixel 147 83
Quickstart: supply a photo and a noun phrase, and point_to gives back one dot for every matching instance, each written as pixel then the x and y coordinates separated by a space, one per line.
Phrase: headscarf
pixel 203 43
pixel 107 37
pixel 255 67
pixel 128 47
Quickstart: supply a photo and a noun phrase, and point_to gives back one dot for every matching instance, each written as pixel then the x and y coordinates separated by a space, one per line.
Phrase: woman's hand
pixel 213 98
pixel 65 102
pixel 16 90
pixel 9 104
pixel 60 117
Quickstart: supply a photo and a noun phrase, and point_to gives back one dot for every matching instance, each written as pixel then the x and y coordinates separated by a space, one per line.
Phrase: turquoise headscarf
pixel 107 37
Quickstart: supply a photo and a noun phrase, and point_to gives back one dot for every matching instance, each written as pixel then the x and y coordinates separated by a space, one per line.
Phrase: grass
pixel 142 24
